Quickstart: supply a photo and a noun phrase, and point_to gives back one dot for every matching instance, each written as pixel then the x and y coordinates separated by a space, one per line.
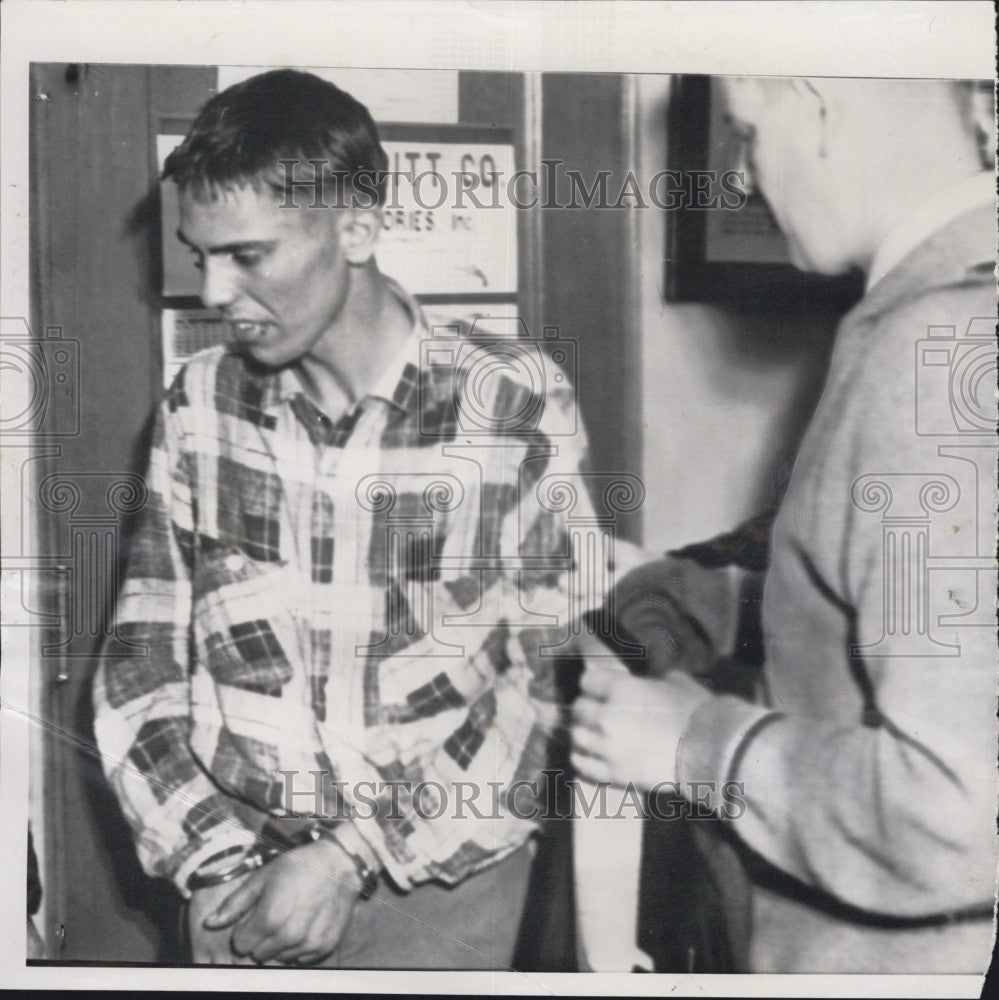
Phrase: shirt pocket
pixel 247 618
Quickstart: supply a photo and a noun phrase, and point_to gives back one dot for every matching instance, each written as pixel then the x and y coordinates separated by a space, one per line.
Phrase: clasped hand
pixel 294 910
pixel 627 728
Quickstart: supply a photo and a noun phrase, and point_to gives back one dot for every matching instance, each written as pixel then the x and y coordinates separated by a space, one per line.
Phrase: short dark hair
pixel 241 136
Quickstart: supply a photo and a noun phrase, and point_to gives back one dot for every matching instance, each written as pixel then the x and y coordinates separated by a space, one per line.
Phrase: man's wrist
pixel 362 875
pixel 693 697
pixel 223 867
pixel 222 850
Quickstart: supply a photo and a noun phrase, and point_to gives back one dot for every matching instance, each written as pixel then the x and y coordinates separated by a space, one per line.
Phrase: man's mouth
pixel 248 331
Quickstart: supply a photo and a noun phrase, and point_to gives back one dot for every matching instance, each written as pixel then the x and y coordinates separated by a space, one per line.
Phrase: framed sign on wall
pixel 450 228
pixel 722 243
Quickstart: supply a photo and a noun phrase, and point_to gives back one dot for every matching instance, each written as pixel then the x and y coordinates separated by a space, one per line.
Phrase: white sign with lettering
pixel 450 226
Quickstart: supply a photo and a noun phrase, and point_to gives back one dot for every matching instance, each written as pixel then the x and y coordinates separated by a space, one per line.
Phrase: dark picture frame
pixel 724 254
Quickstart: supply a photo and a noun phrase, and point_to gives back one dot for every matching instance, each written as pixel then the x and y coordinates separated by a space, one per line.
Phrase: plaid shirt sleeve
pixel 460 749
pixel 143 702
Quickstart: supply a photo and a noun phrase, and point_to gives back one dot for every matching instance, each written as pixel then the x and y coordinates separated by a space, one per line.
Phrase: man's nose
pixel 219 288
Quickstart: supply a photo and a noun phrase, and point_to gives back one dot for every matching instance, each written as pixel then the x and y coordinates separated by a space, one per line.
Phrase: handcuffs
pixel 270 843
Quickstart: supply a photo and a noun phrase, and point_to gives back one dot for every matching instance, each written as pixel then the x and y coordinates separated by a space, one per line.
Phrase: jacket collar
pixel 932 214
pixel 962 250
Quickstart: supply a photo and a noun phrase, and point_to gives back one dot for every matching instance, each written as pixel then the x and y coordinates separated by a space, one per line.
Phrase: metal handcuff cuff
pixel 268 846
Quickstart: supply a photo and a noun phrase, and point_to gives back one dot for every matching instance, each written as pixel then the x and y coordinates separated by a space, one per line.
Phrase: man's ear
pixel 359 234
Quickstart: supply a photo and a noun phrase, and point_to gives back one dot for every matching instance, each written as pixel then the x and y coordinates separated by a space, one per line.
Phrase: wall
pixel 724 397
pixel 588 274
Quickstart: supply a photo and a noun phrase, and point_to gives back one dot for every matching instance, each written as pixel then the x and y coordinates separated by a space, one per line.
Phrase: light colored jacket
pixel 869 774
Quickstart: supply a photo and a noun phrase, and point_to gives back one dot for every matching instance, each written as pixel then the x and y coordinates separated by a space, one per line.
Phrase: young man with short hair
pixel 339 578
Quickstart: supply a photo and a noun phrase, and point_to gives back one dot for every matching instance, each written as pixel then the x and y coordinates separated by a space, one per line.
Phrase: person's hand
pixel 628 729
pixel 294 910
pixel 210 947
pixel 671 607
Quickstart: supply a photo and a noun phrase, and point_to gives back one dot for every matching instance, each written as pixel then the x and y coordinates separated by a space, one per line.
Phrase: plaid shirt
pixel 362 597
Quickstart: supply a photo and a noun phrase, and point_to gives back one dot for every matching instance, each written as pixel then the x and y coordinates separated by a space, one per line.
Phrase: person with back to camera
pixel 868 765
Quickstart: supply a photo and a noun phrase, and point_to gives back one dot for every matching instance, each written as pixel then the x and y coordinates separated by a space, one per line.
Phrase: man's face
pixel 781 128
pixel 279 274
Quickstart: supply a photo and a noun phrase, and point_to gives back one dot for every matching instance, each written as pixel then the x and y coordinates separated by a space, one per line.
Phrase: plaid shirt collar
pixel 397 384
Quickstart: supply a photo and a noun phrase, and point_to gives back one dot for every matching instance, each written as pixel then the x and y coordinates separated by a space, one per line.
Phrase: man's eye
pixel 196 260
pixel 248 258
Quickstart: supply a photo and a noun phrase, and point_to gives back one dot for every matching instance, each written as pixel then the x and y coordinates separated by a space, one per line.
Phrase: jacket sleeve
pixel 894 810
